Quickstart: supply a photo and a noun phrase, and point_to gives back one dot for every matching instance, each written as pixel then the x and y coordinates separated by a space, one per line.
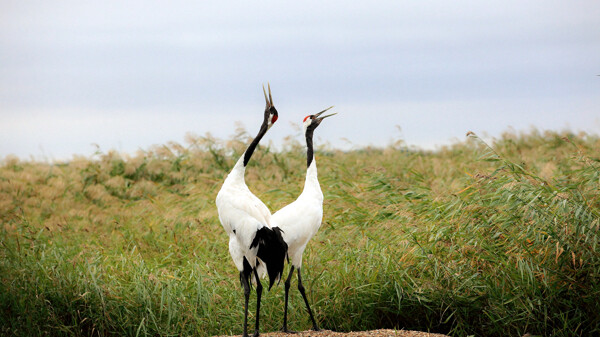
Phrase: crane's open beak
pixel 319 119
pixel 270 99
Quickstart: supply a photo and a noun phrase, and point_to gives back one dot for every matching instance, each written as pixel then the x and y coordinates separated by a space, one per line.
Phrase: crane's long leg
pixel 259 289
pixel 244 280
pixel 288 282
pixel 301 288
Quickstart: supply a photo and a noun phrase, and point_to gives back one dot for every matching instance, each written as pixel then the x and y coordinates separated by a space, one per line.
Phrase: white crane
pixel 254 245
pixel 300 220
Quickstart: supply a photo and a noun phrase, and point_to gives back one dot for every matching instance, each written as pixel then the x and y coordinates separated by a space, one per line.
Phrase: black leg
pixel 301 288
pixel 246 286
pixel 259 288
pixel 288 282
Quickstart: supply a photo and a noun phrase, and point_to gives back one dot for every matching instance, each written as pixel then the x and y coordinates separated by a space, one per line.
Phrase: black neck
pixel 252 146
pixel 309 144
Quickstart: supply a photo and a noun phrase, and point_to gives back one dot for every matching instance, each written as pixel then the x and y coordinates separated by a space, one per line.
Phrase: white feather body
pixel 241 214
pixel 301 219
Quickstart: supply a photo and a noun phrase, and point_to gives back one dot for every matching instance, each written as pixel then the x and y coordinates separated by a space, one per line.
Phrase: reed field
pixel 498 239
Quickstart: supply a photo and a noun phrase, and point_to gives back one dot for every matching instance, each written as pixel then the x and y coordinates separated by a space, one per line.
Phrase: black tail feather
pixel 272 250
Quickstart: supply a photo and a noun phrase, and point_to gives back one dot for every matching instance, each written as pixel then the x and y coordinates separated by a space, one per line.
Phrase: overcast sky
pixel 129 74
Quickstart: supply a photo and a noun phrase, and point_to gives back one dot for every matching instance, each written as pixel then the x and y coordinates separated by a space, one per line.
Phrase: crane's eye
pixel 305 118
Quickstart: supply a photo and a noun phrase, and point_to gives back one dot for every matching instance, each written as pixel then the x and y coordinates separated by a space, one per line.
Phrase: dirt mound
pixel 372 333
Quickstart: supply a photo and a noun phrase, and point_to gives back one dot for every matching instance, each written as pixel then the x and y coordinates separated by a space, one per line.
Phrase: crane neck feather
pixel 311 183
pixel 309 144
pixel 236 175
pixel 250 150
pixel 311 171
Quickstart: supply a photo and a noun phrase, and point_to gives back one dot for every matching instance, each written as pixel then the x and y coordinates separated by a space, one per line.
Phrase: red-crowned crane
pixel 254 245
pixel 300 220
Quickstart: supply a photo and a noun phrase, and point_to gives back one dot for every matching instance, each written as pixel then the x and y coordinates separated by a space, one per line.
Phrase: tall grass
pixel 474 239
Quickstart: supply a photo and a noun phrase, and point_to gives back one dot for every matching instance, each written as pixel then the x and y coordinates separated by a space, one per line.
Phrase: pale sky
pixel 129 74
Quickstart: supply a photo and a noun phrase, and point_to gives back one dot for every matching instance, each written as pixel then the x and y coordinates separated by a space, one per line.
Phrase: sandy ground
pixel 329 333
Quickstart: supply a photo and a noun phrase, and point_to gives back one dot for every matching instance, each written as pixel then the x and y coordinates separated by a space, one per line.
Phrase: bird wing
pixel 258 209
pixel 242 199
pixel 242 214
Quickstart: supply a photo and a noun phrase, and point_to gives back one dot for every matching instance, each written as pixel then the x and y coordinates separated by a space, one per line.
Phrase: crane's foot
pixel 285 330
pixel 256 334
pixel 315 328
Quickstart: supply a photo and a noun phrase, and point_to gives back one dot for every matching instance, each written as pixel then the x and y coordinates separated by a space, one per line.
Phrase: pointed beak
pixel 322 118
pixel 320 113
pixel 268 100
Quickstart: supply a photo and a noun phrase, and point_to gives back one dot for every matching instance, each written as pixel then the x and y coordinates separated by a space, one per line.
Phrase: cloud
pixel 187 58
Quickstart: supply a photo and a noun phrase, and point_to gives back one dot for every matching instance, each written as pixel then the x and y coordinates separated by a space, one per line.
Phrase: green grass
pixel 468 240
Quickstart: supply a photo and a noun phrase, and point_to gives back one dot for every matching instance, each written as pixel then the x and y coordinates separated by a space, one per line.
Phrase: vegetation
pixel 469 239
